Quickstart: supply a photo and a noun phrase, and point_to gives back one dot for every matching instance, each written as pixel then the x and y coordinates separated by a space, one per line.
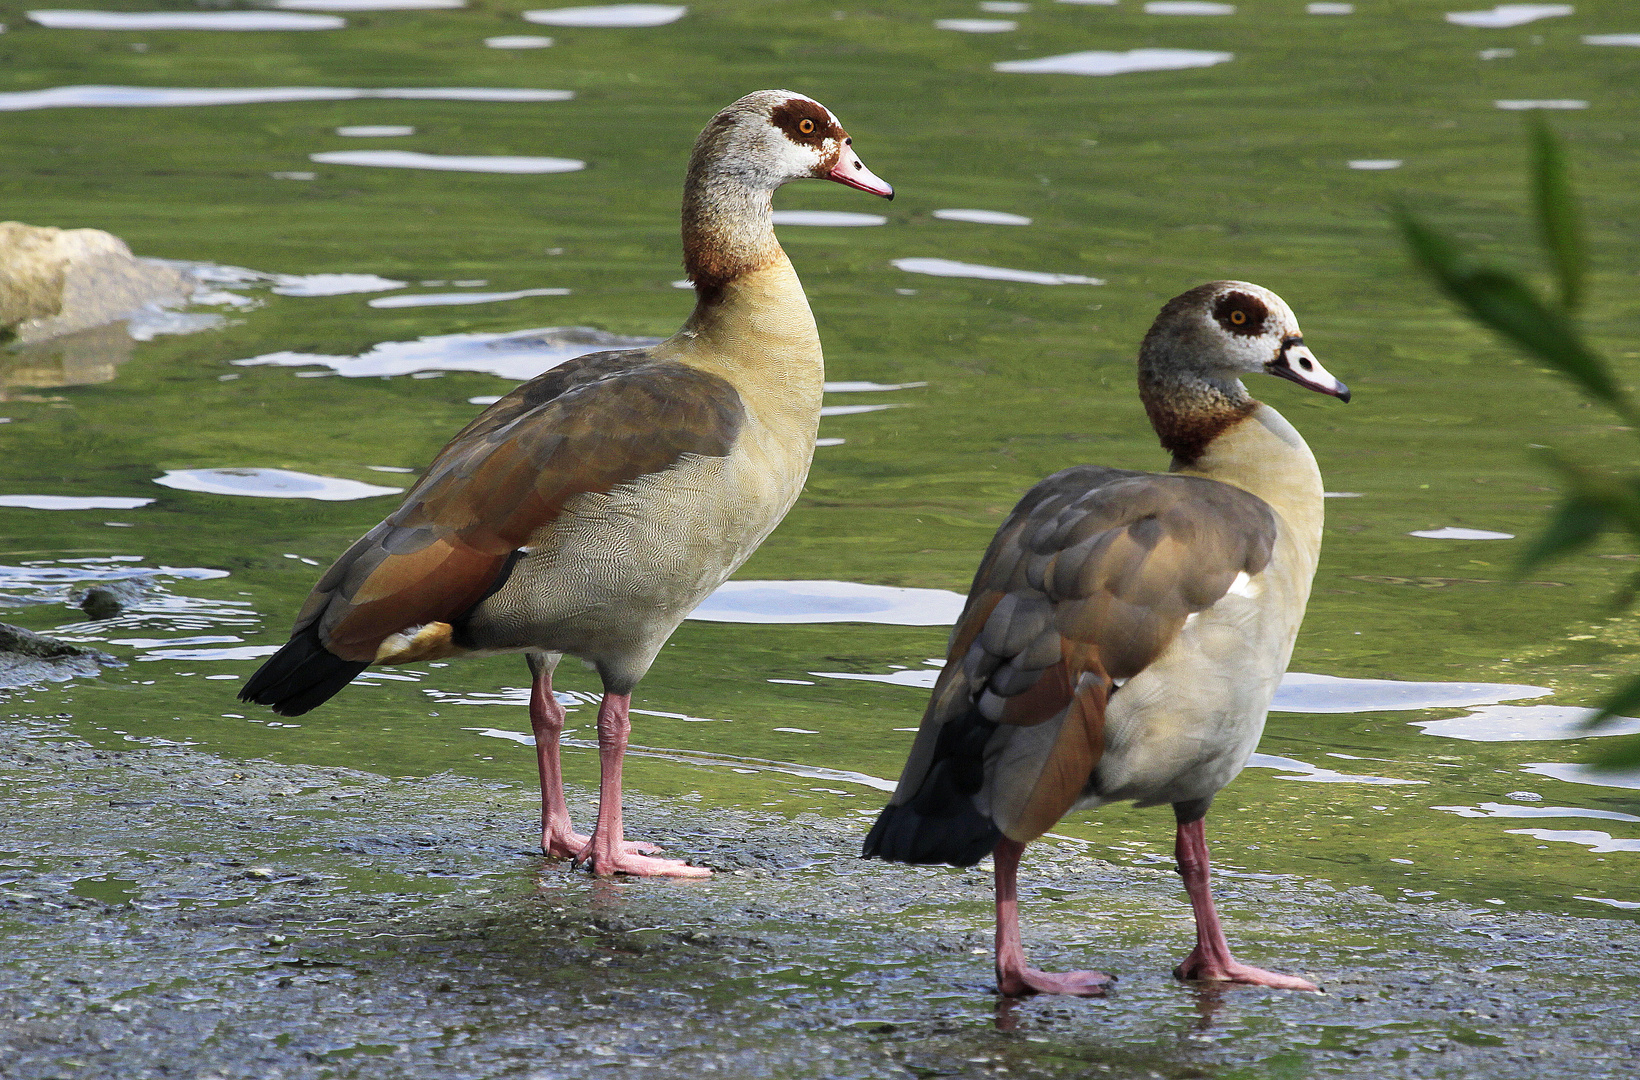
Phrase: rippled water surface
pixel 1129 154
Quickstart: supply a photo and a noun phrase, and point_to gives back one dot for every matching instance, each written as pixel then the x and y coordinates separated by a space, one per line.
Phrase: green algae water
pixel 1272 160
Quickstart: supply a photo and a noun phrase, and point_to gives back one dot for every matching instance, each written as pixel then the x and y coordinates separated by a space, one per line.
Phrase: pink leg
pixel 1211 959
pixel 558 836
pixel 608 853
pixel 1014 978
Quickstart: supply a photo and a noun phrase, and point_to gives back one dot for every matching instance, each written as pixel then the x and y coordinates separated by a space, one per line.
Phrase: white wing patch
pixel 1246 586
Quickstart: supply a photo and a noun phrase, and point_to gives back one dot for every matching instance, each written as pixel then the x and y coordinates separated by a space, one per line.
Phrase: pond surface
pixel 1103 159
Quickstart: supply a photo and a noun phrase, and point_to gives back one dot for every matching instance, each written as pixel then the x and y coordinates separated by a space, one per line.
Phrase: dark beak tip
pixel 1343 393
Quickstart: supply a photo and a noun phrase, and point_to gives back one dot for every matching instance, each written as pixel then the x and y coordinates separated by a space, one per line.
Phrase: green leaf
pixel 1576 524
pixel 1558 219
pixel 1507 305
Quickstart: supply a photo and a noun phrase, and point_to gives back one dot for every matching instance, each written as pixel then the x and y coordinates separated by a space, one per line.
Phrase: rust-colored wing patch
pixel 1086 584
pixel 586 426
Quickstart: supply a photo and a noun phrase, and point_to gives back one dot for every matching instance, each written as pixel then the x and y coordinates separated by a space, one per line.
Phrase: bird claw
pixel 1075 983
pixel 1206 970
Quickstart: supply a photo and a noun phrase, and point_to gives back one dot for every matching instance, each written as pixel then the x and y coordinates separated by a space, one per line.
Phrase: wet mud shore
pixel 170 914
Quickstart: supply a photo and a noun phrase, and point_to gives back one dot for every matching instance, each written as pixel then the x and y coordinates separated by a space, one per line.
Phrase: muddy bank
pixel 165 913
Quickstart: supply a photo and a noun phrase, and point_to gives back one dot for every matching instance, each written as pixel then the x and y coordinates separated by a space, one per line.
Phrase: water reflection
pixel 1507 810
pixel 1452 532
pixel 1506 15
pixel 851 386
pixel 1004 7
pixel 518 355
pixel 518 41
pixel 55 581
pixel 850 410
pixel 1585 774
pixel 446 299
pixel 1098 62
pixel 1330 9
pixel 1188 7
pixel 1304 771
pixel 71 502
pixel 376 131
pixel 827 602
pixel 837 218
pixel 952 268
pixel 982 217
pixel 1526 723
pixel 183 20
pixel 977 26
pixel 329 284
pixel 410 159
pixel 1519 104
pixel 1612 39
pixel 271 484
pixel 62 97
pixel 1375 164
pixel 610 15
pixel 1597 842
pixel 367 5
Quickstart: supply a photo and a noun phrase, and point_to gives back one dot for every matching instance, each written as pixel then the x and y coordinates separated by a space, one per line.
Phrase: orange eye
pixel 806 126
pixel 1238 317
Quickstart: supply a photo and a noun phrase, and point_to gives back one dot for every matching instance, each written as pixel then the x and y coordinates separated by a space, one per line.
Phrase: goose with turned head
pixel 1126 631
pixel 590 510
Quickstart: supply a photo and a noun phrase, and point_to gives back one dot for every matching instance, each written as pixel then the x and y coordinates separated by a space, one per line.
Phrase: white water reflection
pixel 1612 39
pixel 71 502
pixel 609 15
pixel 1188 7
pixel 913 678
pixel 410 159
pixel 446 299
pixel 183 20
pixel 835 218
pixel 1595 841
pixel 62 97
pixel 1506 15
pixel 850 410
pixel 1520 104
pixel 1315 774
pixel 1329 9
pixel 519 355
pixel 332 284
pixel 977 26
pixel 1526 723
pixel 518 41
pixel 367 5
pixel 952 268
pixel 1453 532
pixel 1585 774
pixel 1375 164
pixel 1509 810
pixel 376 131
pixel 1624 905
pixel 1301 692
pixel 1098 62
pixel 242 652
pixel 828 602
pixel 271 484
pixel 855 387
pixel 982 217
pixel 51 582
pixel 1004 7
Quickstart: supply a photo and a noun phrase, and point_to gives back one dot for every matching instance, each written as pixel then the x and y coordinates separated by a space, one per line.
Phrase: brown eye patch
pixel 804 122
pixel 1241 314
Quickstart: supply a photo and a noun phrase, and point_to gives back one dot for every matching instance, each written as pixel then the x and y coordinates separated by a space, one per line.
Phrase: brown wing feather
pixel 585 426
pixel 1088 581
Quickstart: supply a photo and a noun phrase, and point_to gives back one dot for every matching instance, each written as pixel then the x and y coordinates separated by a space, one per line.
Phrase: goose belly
pixel 615 573
pixel 1186 725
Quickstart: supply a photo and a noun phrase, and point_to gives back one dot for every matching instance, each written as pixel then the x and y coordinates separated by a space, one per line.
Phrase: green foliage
pixel 1597 499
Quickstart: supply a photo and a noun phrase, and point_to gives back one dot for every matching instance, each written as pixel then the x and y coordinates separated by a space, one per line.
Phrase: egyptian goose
pixel 590 510
pixel 1126 630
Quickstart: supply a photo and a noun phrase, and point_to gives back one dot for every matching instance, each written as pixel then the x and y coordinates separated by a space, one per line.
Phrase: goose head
pixel 773 137
pixel 1223 330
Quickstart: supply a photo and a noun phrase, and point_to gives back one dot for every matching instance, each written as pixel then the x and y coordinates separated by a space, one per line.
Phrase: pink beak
pixel 852 171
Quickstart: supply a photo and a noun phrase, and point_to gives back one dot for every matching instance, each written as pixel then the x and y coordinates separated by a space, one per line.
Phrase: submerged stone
pixel 27 657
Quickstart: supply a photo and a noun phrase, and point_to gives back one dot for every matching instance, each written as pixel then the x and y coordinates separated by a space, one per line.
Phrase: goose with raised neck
pixel 1126 631
pixel 590 510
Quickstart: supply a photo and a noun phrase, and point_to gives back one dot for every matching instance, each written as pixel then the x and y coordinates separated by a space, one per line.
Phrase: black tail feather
pixel 300 677
pixel 940 823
